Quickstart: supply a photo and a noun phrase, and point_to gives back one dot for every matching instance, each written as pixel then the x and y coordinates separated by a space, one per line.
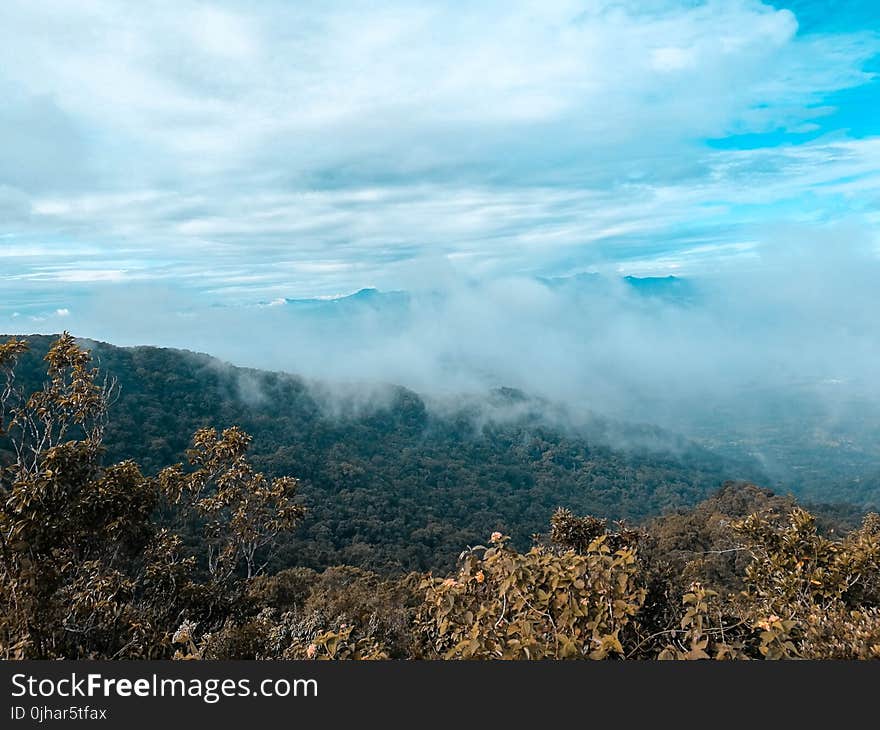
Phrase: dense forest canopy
pixel 390 481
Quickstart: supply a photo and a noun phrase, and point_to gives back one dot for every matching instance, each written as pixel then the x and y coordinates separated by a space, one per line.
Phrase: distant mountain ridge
pixel 670 289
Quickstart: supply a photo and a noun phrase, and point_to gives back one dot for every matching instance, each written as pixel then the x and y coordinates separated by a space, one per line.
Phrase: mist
pixel 786 338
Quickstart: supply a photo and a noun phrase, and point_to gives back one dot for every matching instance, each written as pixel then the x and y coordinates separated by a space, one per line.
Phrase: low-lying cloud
pixel 802 310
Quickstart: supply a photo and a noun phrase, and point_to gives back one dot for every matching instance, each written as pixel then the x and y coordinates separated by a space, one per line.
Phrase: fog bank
pixel 789 337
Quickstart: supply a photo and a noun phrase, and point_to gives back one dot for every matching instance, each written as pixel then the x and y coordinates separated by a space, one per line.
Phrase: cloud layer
pixel 243 152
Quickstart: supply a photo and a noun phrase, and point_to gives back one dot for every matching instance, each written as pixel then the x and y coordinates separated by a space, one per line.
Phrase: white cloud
pixel 279 243
pixel 195 89
pixel 322 145
pixel 673 59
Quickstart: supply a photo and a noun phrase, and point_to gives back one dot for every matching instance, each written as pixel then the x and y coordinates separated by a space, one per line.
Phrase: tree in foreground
pixel 85 568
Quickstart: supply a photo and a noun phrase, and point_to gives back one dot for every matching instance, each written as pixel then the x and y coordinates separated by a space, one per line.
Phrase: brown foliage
pixel 84 569
pixel 542 604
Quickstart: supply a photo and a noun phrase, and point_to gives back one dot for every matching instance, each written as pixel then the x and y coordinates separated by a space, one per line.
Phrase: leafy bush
pixel 545 603
pixel 85 571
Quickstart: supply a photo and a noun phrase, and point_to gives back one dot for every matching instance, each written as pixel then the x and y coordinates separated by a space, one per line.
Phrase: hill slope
pixel 391 481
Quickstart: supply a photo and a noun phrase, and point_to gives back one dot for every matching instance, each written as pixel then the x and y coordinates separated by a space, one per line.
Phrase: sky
pixel 234 153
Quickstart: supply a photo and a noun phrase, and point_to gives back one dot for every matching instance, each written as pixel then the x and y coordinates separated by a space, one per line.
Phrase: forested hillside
pixel 98 560
pixel 391 483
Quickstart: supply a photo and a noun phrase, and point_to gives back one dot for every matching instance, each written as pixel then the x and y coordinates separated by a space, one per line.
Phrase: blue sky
pixel 236 152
